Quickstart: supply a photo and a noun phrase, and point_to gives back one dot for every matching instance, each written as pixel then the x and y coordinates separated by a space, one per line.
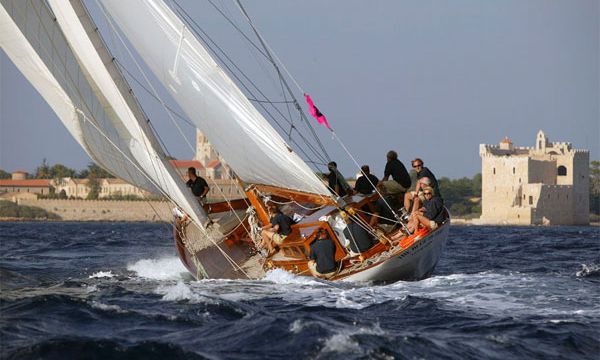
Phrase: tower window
pixel 530 200
pixel 513 170
pixel 494 169
pixel 562 171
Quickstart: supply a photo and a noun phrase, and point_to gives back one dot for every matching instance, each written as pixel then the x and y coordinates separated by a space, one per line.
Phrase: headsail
pixel 66 61
pixel 210 98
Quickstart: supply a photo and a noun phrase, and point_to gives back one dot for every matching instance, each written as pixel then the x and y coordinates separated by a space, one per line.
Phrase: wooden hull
pixel 415 262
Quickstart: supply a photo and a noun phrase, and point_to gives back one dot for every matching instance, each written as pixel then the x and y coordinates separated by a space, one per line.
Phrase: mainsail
pixel 66 61
pixel 240 134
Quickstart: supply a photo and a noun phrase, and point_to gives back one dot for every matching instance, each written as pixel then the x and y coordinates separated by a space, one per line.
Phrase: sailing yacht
pixel 59 49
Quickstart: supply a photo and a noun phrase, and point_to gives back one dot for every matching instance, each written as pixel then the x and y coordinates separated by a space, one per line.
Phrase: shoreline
pixel 461 222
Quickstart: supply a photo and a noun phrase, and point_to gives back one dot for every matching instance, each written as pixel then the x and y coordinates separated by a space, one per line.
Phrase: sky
pixel 429 79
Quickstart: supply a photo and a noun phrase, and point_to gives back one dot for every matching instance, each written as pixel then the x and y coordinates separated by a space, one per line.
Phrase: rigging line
pixel 160 100
pixel 112 26
pixel 166 107
pixel 271 53
pixel 202 229
pixel 268 50
pixel 377 190
pixel 116 65
pixel 182 117
pixel 142 127
pixel 70 82
pixel 270 102
pixel 231 22
pixel 139 68
pixel 193 25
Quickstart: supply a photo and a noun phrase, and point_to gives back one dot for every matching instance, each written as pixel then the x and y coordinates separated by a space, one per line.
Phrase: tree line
pixel 462 196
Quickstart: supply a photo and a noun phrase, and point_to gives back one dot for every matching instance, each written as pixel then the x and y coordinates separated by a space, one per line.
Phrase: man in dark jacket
pixel 275 232
pixel 198 185
pixel 366 183
pixel 322 255
pixel 359 238
pixel 400 181
pixel 337 183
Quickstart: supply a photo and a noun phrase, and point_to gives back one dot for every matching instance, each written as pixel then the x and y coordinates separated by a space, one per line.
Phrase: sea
pixel 118 291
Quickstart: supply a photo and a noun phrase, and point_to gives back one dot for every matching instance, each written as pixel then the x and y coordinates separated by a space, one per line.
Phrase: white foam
pixel 280 276
pixel 343 342
pixel 102 274
pixel 106 307
pixel 177 292
pixel 168 268
pixel 183 292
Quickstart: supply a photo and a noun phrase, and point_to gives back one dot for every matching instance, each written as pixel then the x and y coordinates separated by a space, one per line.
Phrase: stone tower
pixel 204 151
pixel 544 184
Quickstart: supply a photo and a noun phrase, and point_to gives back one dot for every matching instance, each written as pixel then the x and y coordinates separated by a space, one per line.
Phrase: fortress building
pixel 546 184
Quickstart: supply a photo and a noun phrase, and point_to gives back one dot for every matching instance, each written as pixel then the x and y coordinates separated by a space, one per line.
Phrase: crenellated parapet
pixel 543 184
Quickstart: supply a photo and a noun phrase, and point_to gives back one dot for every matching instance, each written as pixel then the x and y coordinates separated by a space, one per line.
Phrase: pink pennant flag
pixel 314 111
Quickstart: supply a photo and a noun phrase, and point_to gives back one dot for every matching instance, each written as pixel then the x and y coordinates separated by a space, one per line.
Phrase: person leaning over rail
pixel 400 182
pixel 366 184
pixel 322 256
pixel 198 185
pixel 360 239
pixel 431 215
pixel 275 232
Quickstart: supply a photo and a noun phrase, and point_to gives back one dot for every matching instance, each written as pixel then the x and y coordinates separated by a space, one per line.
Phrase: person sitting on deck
pixel 360 239
pixel 383 216
pixel 322 255
pixel 423 172
pixel 414 199
pixel 337 183
pixel 275 232
pixel 400 182
pixel 198 185
pixel 366 183
pixel 431 215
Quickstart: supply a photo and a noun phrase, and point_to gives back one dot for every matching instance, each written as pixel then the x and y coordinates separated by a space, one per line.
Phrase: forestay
pixel 255 151
pixel 66 62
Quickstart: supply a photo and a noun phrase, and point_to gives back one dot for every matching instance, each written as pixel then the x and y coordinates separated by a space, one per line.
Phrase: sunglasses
pixel 427 193
pixel 418 165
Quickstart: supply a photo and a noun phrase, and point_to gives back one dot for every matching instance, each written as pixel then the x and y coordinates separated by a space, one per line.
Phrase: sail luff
pixel 35 42
pixel 249 144
pixel 95 59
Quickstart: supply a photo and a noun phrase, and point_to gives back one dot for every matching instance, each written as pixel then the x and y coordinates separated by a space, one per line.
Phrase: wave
pixel 167 268
pixel 487 292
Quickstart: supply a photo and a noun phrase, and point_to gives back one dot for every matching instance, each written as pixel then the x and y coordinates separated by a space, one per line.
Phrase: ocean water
pixel 118 291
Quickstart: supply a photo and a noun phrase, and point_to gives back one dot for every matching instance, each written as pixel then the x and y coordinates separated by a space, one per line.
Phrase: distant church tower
pixel 215 167
pixel 204 151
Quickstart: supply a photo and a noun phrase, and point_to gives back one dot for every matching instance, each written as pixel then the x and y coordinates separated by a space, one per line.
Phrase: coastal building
pixel 20 184
pixel 117 187
pixel 544 184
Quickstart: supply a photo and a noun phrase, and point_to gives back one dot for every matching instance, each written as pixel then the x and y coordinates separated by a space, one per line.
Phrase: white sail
pixel 66 62
pixel 255 151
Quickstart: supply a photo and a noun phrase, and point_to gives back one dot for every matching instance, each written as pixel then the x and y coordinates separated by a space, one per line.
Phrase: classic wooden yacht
pixel 60 50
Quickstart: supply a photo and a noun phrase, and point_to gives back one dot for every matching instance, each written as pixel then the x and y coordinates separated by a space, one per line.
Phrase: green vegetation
pixel 12 210
pixel 462 196
pixel 4 174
